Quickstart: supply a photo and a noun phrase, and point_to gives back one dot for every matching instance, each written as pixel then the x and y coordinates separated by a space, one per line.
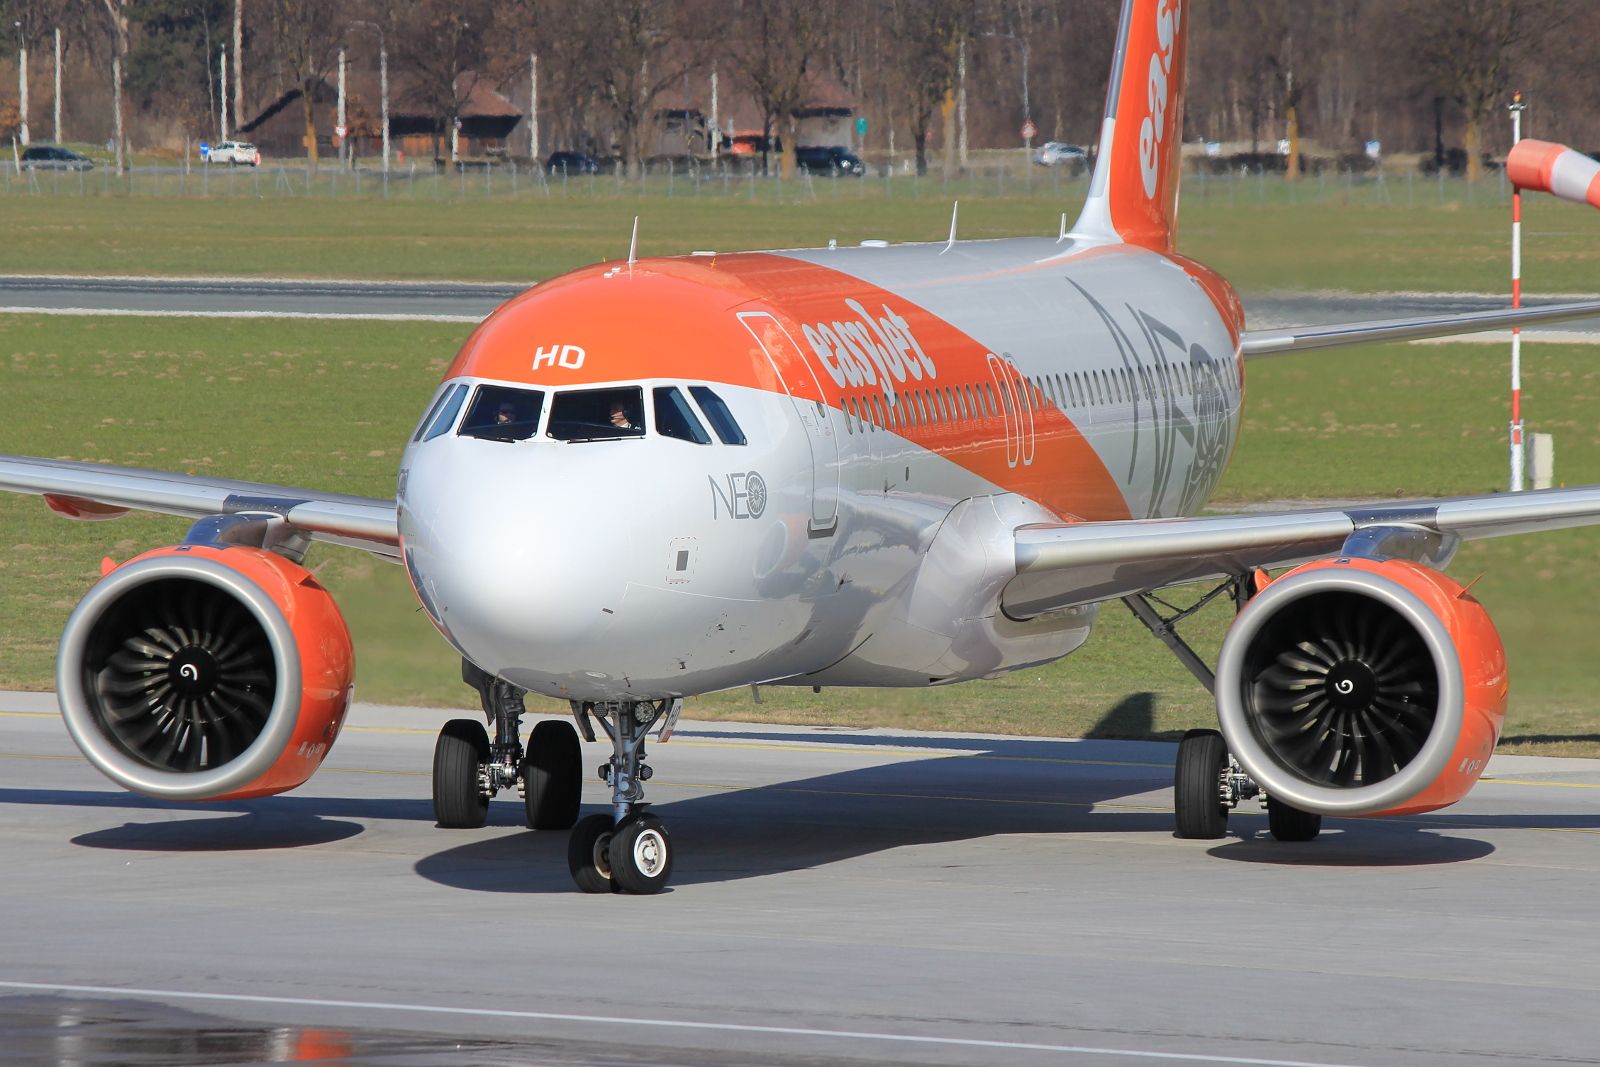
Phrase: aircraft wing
pixel 1257 343
pixel 102 491
pixel 1063 564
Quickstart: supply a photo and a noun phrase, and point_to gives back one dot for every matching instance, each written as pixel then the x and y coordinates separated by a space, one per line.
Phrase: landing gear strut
pixel 628 850
pixel 1208 783
pixel 469 769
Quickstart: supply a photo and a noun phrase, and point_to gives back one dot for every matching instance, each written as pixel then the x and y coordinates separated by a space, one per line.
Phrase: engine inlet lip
pixel 105 754
pixel 1265 768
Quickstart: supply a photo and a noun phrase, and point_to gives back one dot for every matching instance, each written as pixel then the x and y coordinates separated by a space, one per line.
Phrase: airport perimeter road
pixel 471 301
pixel 841 896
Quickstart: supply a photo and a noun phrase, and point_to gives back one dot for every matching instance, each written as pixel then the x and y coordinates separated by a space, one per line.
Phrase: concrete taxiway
pixel 469 302
pixel 841 896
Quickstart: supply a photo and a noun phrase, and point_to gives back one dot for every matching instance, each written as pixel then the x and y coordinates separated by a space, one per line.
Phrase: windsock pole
pixel 1516 302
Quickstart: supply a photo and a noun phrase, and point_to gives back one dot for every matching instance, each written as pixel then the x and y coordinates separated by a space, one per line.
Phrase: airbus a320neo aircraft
pixel 876 466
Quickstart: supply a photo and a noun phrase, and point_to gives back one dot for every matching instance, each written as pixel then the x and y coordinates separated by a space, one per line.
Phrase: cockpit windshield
pixel 722 420
pixel 675 418
pixel 597 414
pixel 501 413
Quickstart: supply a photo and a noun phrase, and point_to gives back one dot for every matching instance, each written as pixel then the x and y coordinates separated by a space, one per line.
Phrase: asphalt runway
pixel 469 302
pixel 841 896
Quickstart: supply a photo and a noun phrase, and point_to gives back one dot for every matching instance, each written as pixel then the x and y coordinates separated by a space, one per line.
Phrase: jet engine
pixel 206 672
pixel 1363 687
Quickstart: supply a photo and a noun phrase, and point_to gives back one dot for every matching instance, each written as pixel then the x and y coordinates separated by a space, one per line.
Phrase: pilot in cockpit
pixel 619 416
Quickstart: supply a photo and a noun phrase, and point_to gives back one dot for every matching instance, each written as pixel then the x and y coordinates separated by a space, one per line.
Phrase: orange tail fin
pixel 1133 195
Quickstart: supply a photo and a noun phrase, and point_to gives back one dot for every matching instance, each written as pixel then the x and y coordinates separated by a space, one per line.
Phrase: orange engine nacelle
pixel 1363 687
pixel 201 672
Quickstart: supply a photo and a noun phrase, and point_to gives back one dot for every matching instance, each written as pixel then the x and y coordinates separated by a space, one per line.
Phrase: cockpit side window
pixel 721 419
pixel 449 408
pixel 433 409
pixel 675 418
pixel 597 414
pixel 501 413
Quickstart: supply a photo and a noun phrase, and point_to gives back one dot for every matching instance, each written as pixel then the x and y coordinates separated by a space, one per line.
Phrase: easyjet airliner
pixel 879 466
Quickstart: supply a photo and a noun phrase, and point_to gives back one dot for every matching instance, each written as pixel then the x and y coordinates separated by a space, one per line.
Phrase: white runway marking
pixel 677 1024
pixel 162 313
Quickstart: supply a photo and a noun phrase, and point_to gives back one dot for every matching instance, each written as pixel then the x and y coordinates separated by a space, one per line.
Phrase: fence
pixel 508 180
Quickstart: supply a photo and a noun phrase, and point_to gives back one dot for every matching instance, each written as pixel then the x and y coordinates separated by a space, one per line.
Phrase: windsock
pixel 1543 167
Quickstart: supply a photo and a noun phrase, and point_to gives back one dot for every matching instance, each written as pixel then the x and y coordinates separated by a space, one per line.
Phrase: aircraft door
pixel 794 369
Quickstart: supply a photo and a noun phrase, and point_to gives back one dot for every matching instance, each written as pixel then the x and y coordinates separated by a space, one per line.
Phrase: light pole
pixel 222 97
pixel 383 85
pixel 22 80
pixel 57 97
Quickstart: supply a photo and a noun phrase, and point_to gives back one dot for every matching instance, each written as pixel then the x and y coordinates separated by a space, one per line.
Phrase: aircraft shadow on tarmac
pixel 814 822
pixel 1003 787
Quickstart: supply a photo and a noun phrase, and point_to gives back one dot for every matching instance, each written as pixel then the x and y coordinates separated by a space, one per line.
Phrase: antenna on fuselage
pixel 633 244
pixel 955 209
pixel 1063 236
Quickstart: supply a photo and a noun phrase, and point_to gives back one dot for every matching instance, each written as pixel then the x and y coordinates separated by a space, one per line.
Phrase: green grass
pixel 1263 236
pixel 326 405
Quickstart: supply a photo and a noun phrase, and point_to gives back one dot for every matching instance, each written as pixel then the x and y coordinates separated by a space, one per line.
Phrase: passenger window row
pixel 1078 389
pixel 510 413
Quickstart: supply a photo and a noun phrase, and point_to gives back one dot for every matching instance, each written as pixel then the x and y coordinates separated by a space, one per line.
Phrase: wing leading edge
pixel 97 490
pixel 1257 343
pixel 1060 565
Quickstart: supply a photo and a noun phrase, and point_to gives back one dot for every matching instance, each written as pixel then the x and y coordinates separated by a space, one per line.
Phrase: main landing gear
pixel 1208 783
pixel 629 849
pixel 468 770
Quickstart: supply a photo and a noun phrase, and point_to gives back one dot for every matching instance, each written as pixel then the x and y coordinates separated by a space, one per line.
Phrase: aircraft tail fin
pixel 1133 196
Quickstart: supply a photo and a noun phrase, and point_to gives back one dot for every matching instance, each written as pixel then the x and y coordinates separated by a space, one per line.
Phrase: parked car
pixel 1058 154
pixel 828 159
pixel 564 163
pixel 237 153
pixel 54 157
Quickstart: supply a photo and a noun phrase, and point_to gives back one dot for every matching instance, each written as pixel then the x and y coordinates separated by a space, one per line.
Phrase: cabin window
pixel 717 413
pixel 501 413
pixel 448 408
pixel 676 419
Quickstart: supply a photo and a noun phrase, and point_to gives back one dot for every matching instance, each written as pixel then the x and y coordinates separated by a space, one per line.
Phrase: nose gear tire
pixel 641 855
pixel 458 757
pixel 588 854
pixel 1290 823
pixel 552 776
pixel 1197 785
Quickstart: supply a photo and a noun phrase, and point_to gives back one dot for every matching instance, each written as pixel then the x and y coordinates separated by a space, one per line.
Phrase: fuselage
pixel 804 467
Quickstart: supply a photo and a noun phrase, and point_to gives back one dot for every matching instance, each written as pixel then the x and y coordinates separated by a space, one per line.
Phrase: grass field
pixel 1263 235
pixel 326 405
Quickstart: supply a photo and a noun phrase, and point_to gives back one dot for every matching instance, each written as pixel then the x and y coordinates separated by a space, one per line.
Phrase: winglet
pixel 1133 196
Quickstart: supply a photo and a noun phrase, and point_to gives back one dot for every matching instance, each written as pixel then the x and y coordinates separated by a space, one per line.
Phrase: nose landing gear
pixel 468 769
pixel 628 850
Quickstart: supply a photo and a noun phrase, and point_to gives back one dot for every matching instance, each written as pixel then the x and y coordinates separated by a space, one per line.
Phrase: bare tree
pixel 925 36
pixel 117 11
pixel 1468 50
pixel 775 45
pixel 441 44
pixel 306 37
pixel 639 48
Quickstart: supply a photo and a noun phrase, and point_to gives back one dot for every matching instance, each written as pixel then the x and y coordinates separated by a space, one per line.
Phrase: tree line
pixel 935 77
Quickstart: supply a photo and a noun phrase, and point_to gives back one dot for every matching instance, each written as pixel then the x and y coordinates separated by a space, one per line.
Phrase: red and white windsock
pixel 1543 167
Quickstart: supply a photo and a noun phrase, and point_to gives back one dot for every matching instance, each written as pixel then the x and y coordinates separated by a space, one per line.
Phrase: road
pixel 468 302
pixel 841 896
